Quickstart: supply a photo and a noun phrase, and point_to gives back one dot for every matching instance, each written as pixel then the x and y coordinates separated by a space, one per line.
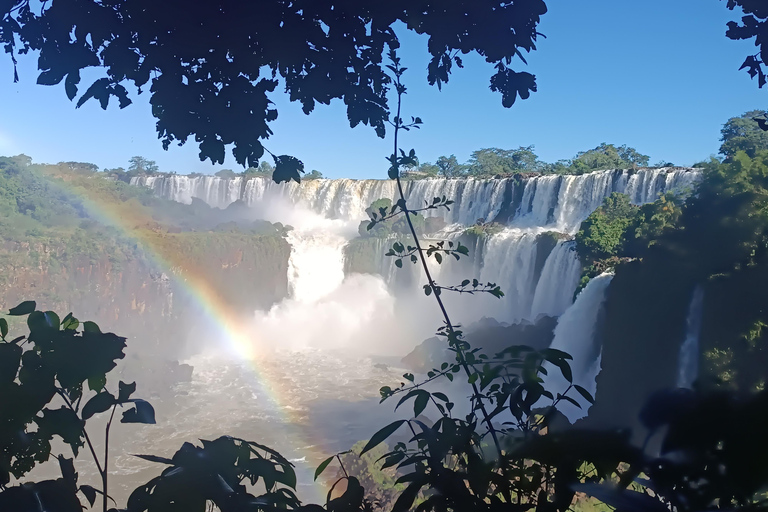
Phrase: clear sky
pixel 658 75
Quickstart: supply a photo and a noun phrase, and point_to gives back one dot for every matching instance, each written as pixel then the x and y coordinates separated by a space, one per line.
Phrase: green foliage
pixel 604 233
pixel 608 156
pixel 299 48
pixel 450 167
pixel 226 173
pixel 743 133
pixel 141 165
pixel 490 162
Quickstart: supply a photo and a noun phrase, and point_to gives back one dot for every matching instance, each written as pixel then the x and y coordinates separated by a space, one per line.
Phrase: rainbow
pixel 130 219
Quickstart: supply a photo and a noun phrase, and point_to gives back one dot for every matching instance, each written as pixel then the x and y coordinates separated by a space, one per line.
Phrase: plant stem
pixel 435 289
pixel 85 432
pixel 105 475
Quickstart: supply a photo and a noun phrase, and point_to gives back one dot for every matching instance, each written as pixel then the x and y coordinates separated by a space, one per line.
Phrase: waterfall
pixel 509 259
pixel 558 202
pixel 558 281
pixel 535 283
pixel 575 334
pixel 688 365
pixel 316 263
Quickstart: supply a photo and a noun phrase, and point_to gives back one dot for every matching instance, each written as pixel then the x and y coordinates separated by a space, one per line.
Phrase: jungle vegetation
pixel 55 376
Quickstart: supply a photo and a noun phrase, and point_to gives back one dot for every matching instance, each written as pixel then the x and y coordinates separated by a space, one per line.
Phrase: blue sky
pixel 658 75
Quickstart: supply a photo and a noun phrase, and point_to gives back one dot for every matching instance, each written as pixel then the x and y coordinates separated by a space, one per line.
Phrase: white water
pixel 688 365
pixel 559 202
pixel 575 334
pixel 509 258
pixel 558 282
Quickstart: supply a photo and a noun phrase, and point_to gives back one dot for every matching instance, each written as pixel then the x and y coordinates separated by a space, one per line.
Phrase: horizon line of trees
pixel 742 133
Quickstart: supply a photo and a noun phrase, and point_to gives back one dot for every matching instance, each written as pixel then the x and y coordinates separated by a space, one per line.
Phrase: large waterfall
pixel 575 335
pixel 537 278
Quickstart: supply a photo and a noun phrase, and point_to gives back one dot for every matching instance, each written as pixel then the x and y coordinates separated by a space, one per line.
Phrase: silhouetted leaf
pixel 287 168
pixel 421 402
pixel 323 465
pixel 3 328
pixel 583 392
pixel 24 308
pixel 97 383
pixel 155 458
pixel 143 412
pixel 99 403
pixel 380 436
pixel 89 326
pixel 89 493
pixel 125 391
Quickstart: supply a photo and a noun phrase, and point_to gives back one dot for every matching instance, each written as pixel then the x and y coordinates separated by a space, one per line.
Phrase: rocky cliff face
pixel 125 290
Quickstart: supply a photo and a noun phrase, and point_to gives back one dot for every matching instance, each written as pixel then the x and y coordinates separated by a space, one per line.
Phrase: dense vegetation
pixel 58 222
pixel 709 453
pixel 496 162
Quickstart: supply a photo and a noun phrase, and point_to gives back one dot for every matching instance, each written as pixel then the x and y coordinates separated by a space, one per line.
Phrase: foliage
pixel 211 84
pixel 754 24
pixel 604 232
pixel 226 173
pixel 618 232
pixel 140 165
pixel 51 367
pixel 608 156
pixel 450 167
pixel 490 162
pixel 743 133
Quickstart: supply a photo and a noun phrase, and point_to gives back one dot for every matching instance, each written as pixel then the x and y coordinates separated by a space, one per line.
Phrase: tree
pixel 314 175
pixel 211 84
pixel 450 167
pixel 608 156
pixel 226 173
pixel 743 133
pixel 429 170
pixel 754 25
pixel 139 164
pixel 603 233
pixel 491 162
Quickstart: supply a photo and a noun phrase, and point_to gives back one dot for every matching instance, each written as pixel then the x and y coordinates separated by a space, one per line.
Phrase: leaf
pixel 3 328
pixel 440 396
pixel 287 168
pixel 586 394
pixel 24 308
pixel 125 391
pixel 439 257
pixel 97 383
pixel 322 466
pixel 142 413
pixel 420 403
pixel 89 493
pixel 399 263
pixel 407 497
pixel 381 435
pixel 99 403
pixel 427 290
pixel 91 327
pixel 154 458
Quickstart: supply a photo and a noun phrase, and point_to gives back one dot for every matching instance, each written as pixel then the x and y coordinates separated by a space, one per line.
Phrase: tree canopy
pixel 210 67
pixel 743 133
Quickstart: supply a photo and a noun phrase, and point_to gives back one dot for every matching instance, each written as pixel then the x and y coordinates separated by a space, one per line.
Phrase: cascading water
pixel 575 334
pixel 688 365
pixel 511 258
pixel 558 282
pixel 331 315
